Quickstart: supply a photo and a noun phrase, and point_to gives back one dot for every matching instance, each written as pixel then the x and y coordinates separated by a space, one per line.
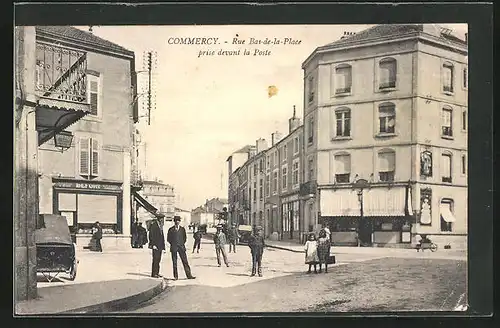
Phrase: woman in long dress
pixel 311 249
pixel 323 250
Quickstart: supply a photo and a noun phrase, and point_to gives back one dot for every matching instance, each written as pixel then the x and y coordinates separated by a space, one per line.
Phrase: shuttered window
pixel 387 73
pixel 386 165
pixel 94 95
pixel 84 156
pixel 342 168
pixel 89 157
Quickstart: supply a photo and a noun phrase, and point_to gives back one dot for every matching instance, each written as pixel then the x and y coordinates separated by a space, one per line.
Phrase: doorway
pixel 365 232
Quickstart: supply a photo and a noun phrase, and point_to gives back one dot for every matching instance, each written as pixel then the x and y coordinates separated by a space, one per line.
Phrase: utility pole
pixel 150 64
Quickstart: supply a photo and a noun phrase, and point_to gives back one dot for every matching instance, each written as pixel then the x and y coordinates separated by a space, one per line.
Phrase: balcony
pixel 60 87
pixel 308 188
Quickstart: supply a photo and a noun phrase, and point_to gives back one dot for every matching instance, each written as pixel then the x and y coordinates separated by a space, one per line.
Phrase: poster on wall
pixel 425 206
pixel 426 164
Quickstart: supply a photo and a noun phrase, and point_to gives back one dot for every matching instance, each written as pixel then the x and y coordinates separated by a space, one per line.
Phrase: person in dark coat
pixel 97 236
pixel 157 244
pixel 197 240
pixel 220 245
pixel 142 236
pixel 256 244
pixel 135 234
pixel 232 237
pixel 176 237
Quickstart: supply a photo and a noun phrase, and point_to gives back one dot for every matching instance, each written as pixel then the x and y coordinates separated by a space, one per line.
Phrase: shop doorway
pixel 365 232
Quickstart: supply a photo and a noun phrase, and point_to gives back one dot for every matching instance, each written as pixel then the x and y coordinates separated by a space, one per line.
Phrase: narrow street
pixel 359 282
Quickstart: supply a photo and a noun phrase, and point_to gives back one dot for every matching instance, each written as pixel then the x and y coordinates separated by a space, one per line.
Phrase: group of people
pixel 139 235
pixel 317 250
pixel 95 240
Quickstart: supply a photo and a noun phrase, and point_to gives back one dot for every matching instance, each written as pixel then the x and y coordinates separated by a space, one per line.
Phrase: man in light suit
pixel 176 237
pixel 157 244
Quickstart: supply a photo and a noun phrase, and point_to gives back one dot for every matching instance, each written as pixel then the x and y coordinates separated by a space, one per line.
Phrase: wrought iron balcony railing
pixel 61 73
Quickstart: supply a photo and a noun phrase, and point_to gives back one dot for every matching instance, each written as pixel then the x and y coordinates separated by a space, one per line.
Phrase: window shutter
pixel 342 164
pixel 84 156
pixel 95 157
pixel 387 162
pixel 94 97
pixel 446 117
pixel 446 166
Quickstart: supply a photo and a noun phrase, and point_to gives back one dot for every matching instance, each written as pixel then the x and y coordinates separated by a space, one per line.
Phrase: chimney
pixel 275 138
pixel 294 122
pixel 251 152
pixel 261 144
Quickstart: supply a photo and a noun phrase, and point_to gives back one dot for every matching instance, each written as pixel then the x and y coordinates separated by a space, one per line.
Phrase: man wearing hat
pixel 220 244
pixel 157 244
pixel 176 237
pixel 233 237
pixel 256 244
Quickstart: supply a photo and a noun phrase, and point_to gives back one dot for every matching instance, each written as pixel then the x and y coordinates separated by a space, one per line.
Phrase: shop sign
pixel 86 186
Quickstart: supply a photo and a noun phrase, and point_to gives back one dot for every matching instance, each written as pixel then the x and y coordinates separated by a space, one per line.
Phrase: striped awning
pixel 384 201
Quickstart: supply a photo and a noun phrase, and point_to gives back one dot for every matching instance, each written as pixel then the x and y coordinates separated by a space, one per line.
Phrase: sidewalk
pixel 104 282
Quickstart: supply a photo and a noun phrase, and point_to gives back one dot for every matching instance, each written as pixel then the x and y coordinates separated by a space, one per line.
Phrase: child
pixel 312 252
pixel 323 249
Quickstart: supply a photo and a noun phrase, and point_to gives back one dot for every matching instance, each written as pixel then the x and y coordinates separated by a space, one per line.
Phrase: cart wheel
pixel 72 273
pixel 433 247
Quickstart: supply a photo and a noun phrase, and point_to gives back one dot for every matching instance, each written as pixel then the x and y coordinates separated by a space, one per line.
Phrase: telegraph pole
pixel 150 60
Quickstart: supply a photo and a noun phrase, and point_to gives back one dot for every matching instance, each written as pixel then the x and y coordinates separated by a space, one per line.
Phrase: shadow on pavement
pixel 239 274
pixel 139 274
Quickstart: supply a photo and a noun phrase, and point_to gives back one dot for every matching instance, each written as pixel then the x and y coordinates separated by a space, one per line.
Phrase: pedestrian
pixel 135 234
pixel 220 245
pixel 156 244
pixel 323 250
pixel 176 237
pixel 142 236
pixel 327 231
pixel 97 236
pixel 312 252
pixel 197 240
pixel 233 237
pixel 256 244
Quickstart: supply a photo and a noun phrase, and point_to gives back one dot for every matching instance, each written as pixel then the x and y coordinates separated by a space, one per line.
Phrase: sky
pixel 208 107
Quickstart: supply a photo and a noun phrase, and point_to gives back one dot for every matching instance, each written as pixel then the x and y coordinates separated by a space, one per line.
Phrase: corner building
pixel 388 105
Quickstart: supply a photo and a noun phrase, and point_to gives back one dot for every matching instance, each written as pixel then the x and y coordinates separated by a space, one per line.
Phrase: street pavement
pixel 286 287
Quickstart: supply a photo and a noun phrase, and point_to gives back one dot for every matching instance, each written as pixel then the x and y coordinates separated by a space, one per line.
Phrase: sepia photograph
pixel 183 169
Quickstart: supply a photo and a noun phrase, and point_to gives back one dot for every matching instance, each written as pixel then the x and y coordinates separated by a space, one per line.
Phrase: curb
pixel 121 303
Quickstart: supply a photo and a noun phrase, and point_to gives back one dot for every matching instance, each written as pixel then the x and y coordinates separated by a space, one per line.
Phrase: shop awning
pixel 145 204
pixel 341 202
pixel 446 213
pixel 55 115
pixel 383 201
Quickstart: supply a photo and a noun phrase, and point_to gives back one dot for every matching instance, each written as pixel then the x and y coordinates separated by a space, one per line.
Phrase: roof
pixel 82 37
pixel 155 183
pixel 177 209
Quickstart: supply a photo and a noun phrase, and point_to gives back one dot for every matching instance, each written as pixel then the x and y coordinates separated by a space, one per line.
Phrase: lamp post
pixel 63 140
pixel 360 185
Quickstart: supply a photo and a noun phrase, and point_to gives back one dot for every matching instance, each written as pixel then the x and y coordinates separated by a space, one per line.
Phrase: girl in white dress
pixel 311 249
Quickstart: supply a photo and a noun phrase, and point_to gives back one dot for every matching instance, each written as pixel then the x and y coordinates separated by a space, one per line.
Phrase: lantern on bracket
pixel 63 140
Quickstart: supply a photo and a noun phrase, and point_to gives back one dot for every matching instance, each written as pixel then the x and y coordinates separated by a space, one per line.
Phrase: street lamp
pixel 63 140
pixel 360 185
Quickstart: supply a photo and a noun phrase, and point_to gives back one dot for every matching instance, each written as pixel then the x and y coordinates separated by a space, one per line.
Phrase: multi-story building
pixel 208 213
pixel 387 108
pixel 91 180
pixel 161 196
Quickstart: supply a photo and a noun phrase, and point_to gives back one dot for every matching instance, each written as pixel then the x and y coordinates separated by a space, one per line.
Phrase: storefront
pixel 290 217
pixel 380 215
pixel 85 202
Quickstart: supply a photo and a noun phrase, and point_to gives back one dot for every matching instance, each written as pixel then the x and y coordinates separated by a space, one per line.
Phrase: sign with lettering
pixel 87 186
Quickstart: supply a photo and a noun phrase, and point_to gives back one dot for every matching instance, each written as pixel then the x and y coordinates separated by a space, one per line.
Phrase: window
pixel 261 165
pixel 464 73
pixel 310 137
pixel 446 214
pixel 464 164
pixel 343 79
pixel 311 169
pixel 268 185
pixel 276 158
pixel 388 73
pixel 311 89
pixel 284 177
pixel 295 172
pixel 275 182
pixel 342 168
pixel 261 189
pixel 447 77
pixel 446 168
pixel 255 169
pixel 386 165
pixel 268 162
pixel 254 192
pixel 296 145
pixel 446 122
pixel 464 120
pixel 93 94
pixel 89 157
pixel 343 122
pixel 285 154
pixel 387 117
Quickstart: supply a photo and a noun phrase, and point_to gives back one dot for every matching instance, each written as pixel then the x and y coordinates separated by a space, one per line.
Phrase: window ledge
pixel 385 135
pixel 341 138
pixel 448 93
pixel 387 89
pixel 92 118
pixel 447 137
pixel 342 94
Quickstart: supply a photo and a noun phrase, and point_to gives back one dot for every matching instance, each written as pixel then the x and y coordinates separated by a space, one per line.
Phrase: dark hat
pixel 177 218
pixel 258 228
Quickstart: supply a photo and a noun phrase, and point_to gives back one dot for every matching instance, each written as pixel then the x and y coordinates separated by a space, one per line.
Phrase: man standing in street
pixel 157 244
pixel 233 237
pixel 256 244
pixel 197 240
pixel 176 237
pixel 220 244
pixel 98 236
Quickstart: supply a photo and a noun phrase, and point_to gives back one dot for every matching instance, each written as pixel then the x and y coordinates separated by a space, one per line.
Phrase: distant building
pixel 208 212
pixel 161 196
pixel 185 216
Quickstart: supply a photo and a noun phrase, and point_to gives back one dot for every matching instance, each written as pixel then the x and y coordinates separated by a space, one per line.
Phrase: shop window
pixel 343 79
pixel 342 168
pixel 387 165
pixel 387 73
pixel 387 118
pixel 447 215
pixel 343 122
